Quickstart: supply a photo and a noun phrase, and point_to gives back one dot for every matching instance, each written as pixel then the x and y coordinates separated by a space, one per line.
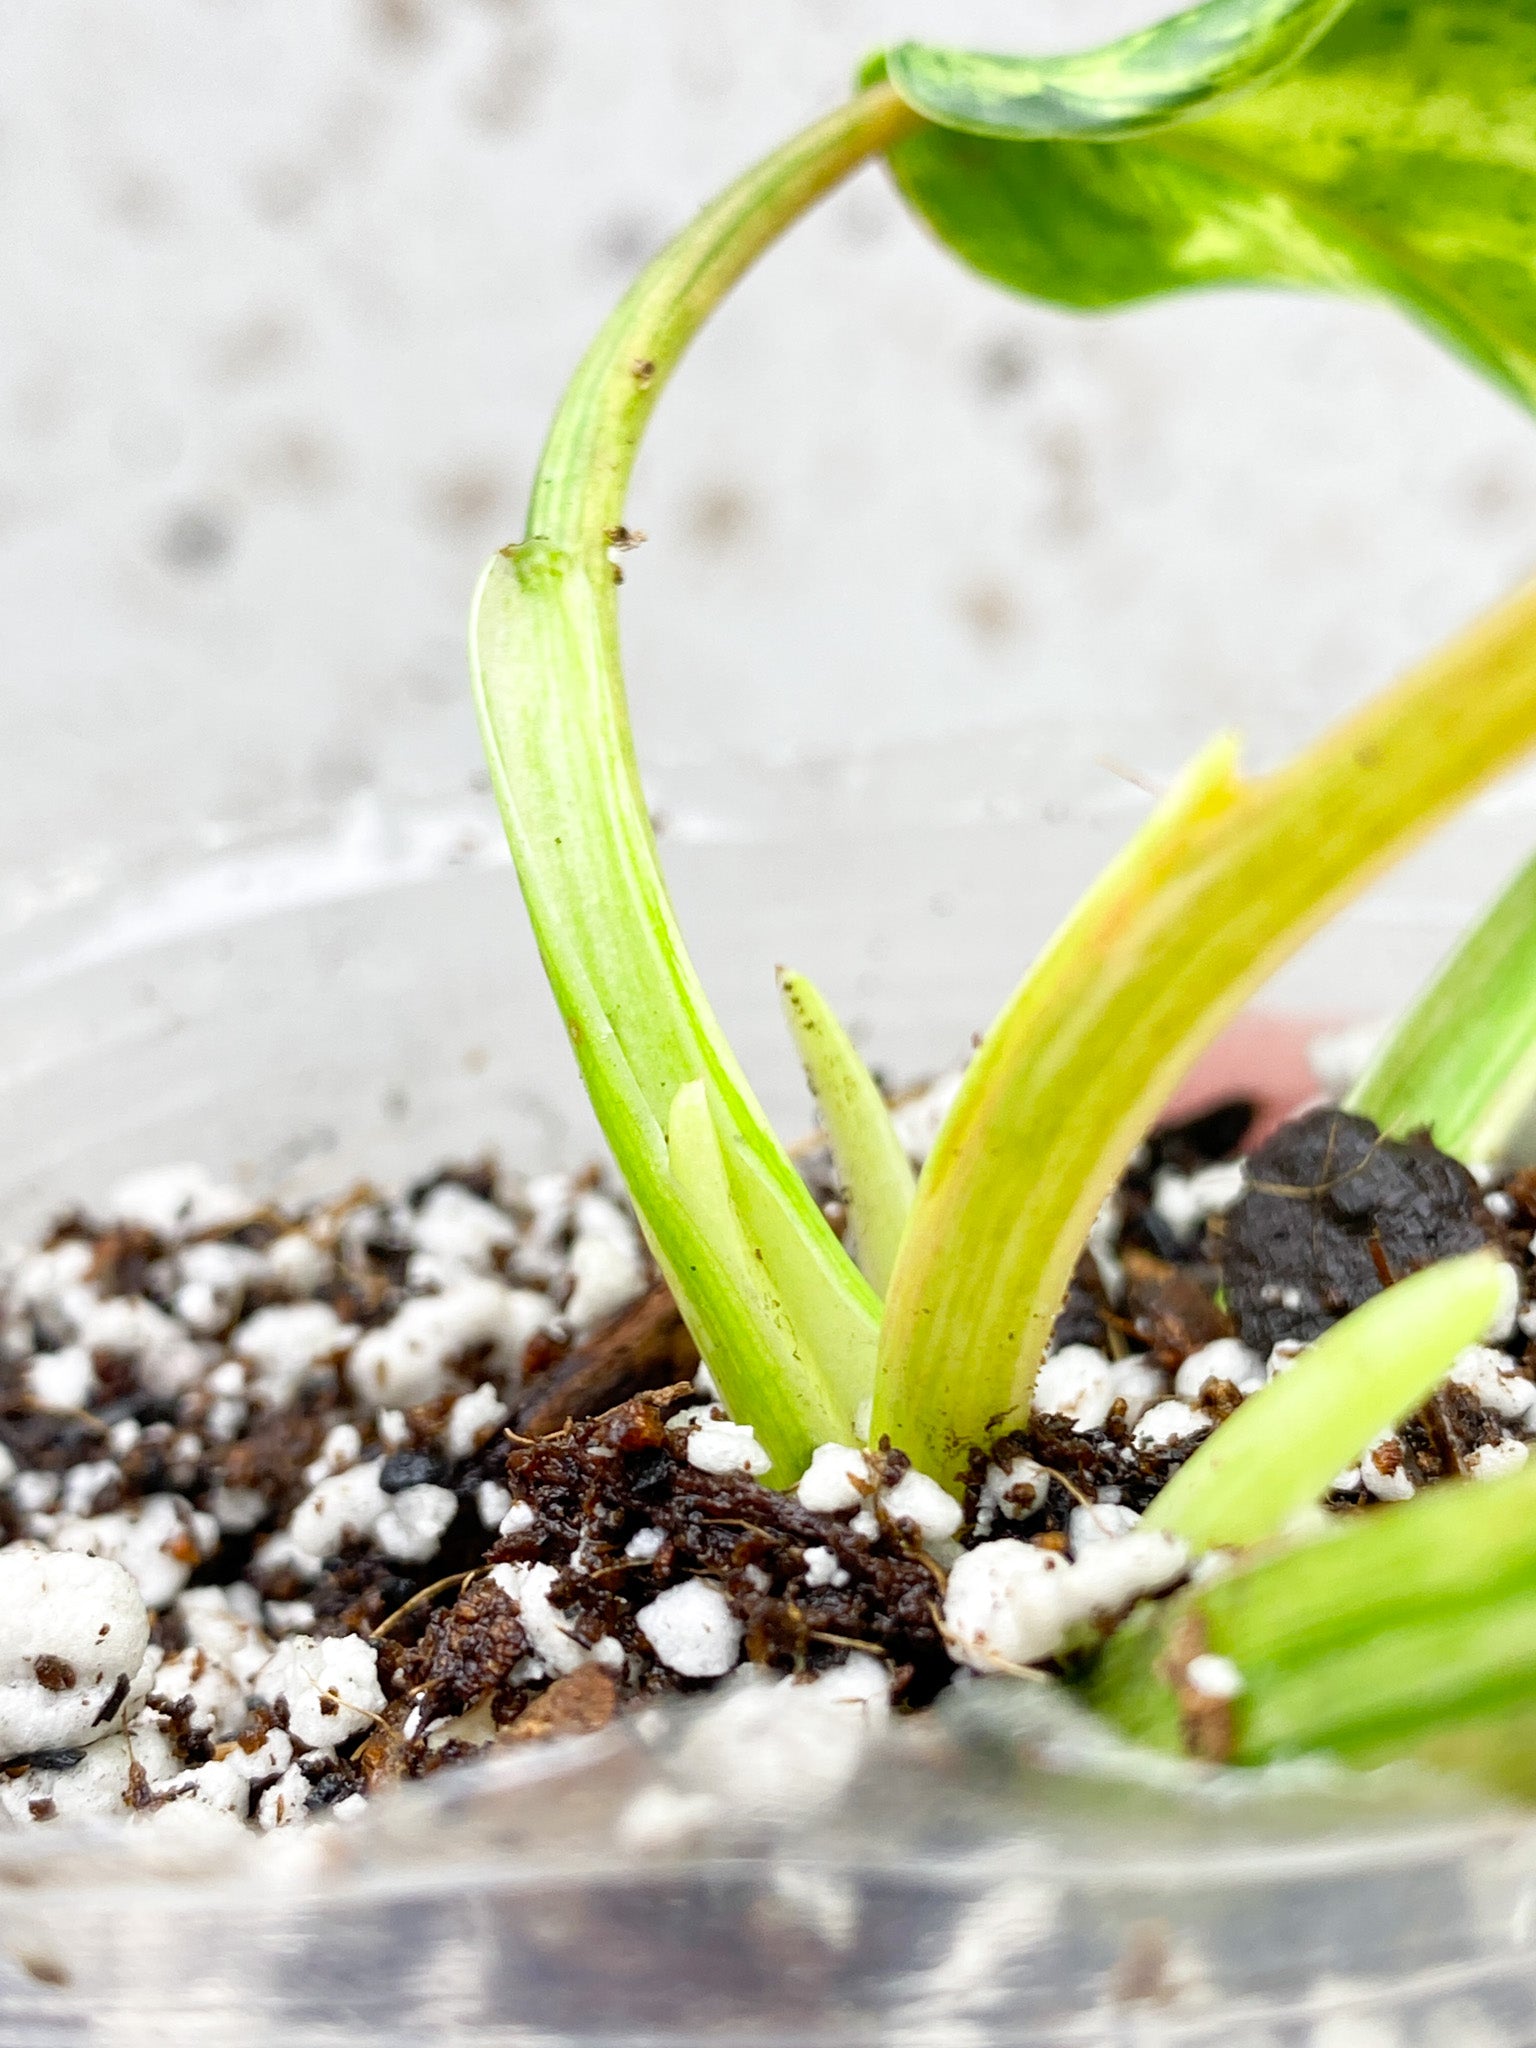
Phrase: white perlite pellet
pixel 692 1630
pixel 1228 1358
pixel 1112 1574
pixel 473 1419
pixel 1501 1324
pixel 1382 1470
pixel 1218 1678
pixel 297 1264
pixel 1139 1384
pixel 1076 1382
pixel 87 1613
pixel 917 1120
pixel 413 1522
pixel 715 1445
pixel 822 1567
pixel 97 1787
pixel 1185 1201
pixel 408 1525
pixel 167 1359
pixel 175 1201
pixel 60 1379
pixel 285 1802
pixel 159 1540
pixel 211 1284
pixel 837 1478
pixel 1013 1491
pixel 1098 1523
pixel 922 1501
pixel 408 1360
pixel 340 1449
pixel 349 1503
pixel 1010 1603
pixel 51 1287
pixel 605 1264
pixel 225 1621
pixel 1170 1422
pixel 493 1503
pixel 84 1485
pixel 284 1343
pixel 1490 1377
pixel 330 1687
pixel 458 1233
pixel 1496 1461
pixel 217 1695
pixel 528 1587
pixel 1001 1608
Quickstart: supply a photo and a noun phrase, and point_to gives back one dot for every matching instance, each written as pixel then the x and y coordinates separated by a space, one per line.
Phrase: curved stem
pixel 550 695
pixel 578 495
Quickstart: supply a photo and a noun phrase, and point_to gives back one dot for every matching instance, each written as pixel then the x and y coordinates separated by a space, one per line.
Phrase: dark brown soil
pixel 1331 1214
pixel 1334 1212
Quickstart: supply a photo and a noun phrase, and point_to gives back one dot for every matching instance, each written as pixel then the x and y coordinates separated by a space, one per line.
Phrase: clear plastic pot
pixel 769 1867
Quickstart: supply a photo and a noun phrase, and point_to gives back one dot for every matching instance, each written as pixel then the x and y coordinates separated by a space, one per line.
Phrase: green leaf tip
pixel 1281 1450
pixel 1461 1062
pixel 1195 59
pixel 876 1176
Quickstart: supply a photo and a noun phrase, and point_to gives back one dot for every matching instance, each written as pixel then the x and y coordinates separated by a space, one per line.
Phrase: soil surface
pixel 391 1480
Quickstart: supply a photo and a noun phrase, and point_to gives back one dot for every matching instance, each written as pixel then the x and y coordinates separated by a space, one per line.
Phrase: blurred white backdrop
pixel 291 287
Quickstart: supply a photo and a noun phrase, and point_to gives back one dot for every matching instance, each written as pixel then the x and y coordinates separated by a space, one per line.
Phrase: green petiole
pixel 550 695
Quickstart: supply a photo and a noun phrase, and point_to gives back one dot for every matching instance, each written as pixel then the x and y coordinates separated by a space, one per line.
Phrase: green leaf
pixel 1401 1624
pixel 1392 160
pixel 1462 1062
pixel 1280 1451
pixel 1143 80
pixel 875 1174
pixel 766 1372
pixel 1223 883
pixel 554 722
pixel 842 1312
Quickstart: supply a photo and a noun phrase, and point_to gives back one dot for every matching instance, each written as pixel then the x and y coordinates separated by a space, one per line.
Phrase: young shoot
pixel 876 1175
pixel 1285 1445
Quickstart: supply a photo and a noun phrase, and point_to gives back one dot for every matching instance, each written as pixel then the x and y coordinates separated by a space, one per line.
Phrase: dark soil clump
pixel 1333 1213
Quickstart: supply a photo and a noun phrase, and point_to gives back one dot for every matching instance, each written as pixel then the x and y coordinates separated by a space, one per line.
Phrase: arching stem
pixel 550 694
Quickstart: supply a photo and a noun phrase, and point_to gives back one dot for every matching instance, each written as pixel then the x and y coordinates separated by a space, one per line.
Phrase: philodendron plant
pixel 1375 147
